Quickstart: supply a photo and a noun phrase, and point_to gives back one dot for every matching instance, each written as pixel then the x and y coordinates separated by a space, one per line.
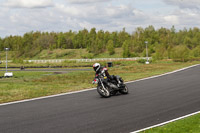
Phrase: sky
pixel 20 16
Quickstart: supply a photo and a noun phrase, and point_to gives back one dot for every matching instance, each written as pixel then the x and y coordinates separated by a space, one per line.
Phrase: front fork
pixel 103 85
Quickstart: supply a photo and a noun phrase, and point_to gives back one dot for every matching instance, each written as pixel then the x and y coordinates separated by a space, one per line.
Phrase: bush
pixel 180 53
pixel 134 55
pixel 143 61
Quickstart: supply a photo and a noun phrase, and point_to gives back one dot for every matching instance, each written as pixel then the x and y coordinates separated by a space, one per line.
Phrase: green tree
pixel 61 42
pixel 85 38
pixel 44 41
pixel 114 37
pixel 106 37
pixel 163 42
pixel 160 52
pixel 180 53
pixel 188 42
pixel 92 40
pixel 110 47
pixel 27 44
pixel 100 41
pixel 126 49
pixel 1 44
pixel 196 52
pixel 122 36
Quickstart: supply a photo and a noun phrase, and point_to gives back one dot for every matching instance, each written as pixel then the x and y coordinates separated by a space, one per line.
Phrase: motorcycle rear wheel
pixel 124 90
pixel 103 92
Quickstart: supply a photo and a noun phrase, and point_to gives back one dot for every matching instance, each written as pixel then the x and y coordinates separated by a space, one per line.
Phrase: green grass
pixel 50 65
pixel 61 54
pixel 75 54
pixel 187 125
pixel 25 85
pixel 64 54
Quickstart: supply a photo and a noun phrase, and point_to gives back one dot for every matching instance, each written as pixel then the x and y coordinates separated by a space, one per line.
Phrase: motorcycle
pixel 107 87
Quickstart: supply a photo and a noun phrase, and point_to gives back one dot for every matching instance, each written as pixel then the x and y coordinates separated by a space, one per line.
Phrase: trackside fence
pixel 86 60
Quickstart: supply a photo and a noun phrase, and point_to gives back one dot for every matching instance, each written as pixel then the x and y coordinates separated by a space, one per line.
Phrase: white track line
pixel 39 98
pixel 161 124
pixel 164 74
pixel 68 93
pixel 164 123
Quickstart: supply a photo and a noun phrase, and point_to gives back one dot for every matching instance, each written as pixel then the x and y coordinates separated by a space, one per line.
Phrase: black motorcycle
pixel 107 87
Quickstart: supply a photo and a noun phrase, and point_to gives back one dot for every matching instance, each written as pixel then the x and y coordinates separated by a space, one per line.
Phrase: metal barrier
pixel 5 61
pixel 85 60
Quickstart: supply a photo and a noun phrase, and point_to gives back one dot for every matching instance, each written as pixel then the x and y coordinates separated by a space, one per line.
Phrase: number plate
pixel 105 77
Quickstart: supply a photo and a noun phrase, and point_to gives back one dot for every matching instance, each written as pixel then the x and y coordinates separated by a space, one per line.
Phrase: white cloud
pixel 105 17
pixel 171 19
pixel 188 18
pixel 120 11
pixel 138 12
pixel 191 4
pixel 17 18
pixel 28 3
pixel 69 10
pixel 86 1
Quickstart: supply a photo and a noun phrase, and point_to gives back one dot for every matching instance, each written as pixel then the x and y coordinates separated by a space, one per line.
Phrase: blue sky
pixel 20 16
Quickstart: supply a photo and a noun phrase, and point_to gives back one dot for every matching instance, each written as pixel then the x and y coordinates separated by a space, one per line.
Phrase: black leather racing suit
pixel 104 71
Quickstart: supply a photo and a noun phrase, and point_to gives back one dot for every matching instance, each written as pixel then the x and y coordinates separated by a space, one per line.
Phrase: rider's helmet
pixel 96 67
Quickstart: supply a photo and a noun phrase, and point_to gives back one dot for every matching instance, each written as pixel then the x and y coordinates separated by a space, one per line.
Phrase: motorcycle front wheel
pixel 103 92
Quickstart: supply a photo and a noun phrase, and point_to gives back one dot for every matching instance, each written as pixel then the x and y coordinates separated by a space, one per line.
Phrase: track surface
pixel 150 102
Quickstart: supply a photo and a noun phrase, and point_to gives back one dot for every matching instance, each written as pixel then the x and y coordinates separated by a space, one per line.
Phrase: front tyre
pixel 124 90
pixel 103 92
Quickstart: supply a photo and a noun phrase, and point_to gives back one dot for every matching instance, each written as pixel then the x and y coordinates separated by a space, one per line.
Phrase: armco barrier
pixel 84 60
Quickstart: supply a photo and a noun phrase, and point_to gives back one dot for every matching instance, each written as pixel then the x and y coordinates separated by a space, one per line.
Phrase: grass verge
pixel 187 125
pixel 26 85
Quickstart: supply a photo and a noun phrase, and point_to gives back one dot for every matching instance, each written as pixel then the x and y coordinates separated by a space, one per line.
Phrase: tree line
pixel 162 43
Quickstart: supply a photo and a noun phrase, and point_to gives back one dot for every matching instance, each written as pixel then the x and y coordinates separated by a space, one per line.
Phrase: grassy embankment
pixel 25 85
pixel 187 125
pixel 64 54
pixel 57 54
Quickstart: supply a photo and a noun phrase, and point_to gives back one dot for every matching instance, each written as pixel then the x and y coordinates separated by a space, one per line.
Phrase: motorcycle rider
pixel 103 70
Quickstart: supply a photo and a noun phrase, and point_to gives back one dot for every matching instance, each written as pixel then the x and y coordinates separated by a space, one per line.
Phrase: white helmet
pixel 96 67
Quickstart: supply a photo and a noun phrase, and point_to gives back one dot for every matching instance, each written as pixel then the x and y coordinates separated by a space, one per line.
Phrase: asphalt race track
pixel 150 102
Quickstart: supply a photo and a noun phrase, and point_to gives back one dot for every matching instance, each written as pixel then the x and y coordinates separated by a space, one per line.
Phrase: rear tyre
pixel 124 90
pixel 103 92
